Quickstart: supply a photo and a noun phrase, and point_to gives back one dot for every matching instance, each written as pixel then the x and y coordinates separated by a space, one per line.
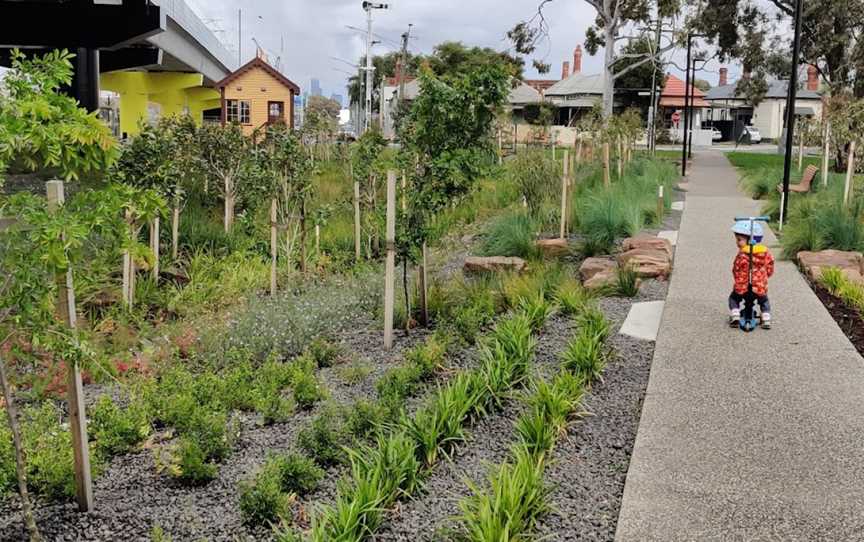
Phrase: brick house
pixel 257 94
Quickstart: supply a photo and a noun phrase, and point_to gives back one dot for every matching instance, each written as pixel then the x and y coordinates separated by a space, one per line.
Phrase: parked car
pixel 716 135
pixel 752 134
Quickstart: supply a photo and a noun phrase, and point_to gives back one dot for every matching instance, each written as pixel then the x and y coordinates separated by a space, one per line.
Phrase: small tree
pixel 284 173
pixel 41 128
pixel 448 137
pixel 367 171
pixel 226 155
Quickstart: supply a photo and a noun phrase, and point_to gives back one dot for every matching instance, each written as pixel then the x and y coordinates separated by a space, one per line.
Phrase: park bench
pixel 806 180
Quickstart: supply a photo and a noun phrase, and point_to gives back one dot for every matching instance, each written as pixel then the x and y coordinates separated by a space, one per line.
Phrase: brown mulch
pixel 848 318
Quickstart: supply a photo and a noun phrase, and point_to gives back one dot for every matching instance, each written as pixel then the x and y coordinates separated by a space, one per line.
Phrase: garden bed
pixel 848 318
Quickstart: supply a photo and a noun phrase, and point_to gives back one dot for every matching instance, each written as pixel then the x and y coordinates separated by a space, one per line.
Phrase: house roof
pixel 258 62
pixel 540 85
pixel 578 83
pixel 777 89
pixel 674 92
pixel 524 94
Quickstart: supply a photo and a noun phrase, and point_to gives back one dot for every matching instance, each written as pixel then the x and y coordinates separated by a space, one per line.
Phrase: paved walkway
pixel 754 436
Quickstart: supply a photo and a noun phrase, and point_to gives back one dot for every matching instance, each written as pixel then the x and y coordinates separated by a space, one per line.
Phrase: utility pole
pixel 368 7
pixel 402 67
pixel 239 37
pixel 790 112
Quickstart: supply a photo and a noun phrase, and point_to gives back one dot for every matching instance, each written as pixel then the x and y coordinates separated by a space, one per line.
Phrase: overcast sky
pixel 313 31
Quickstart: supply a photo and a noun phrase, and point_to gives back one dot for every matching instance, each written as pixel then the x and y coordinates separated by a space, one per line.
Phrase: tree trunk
pixel 154 247
pixel 20 457
pixel 422 284
pixel 608 79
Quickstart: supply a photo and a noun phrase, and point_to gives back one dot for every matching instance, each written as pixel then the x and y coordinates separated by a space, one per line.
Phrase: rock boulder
pixel 647 262
pixel 478 264
pixel 850 263
pixel 598 272
pixel 648 241
pixel 553 248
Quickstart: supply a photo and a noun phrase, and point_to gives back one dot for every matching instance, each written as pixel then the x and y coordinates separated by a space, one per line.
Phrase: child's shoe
pixel 766 320
pixel 735 318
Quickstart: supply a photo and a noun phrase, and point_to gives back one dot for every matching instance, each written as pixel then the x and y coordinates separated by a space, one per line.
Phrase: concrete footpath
pixel 755 436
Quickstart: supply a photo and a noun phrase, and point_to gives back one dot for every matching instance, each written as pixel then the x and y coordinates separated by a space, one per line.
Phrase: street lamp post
pixel 699 58
pixel 686 109
pixel 790 112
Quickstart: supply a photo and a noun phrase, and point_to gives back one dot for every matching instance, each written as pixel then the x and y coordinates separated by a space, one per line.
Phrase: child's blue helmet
pixel 742 227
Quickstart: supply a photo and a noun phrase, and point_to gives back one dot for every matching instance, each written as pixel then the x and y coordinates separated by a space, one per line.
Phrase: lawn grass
pixel 749 161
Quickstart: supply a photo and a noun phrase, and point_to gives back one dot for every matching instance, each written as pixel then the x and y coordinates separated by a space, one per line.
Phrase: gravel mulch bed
pixel 429 516
pixel 848 318
pixel 133 497
pixel 589 467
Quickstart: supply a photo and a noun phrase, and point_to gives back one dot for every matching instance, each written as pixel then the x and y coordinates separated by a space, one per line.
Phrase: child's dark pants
pixel 735 300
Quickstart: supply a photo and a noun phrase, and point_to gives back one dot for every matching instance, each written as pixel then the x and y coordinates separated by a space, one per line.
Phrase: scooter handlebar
pixel 757 218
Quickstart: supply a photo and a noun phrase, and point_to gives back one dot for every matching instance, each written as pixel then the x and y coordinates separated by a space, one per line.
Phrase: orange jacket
pixel 763 268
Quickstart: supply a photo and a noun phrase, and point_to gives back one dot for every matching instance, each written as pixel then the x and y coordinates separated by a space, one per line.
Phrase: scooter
pixel 750 318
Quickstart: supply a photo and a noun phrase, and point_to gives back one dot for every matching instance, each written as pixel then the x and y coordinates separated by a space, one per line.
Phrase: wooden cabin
pixel 257 94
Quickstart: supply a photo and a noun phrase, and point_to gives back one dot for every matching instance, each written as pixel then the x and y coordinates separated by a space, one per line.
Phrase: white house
pixel 730 109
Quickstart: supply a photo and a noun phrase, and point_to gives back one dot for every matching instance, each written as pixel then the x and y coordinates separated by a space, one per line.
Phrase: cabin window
pixel 238 111
pixel 275 112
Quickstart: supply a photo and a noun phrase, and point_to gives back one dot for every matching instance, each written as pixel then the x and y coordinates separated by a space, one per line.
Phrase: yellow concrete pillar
pixel 138 89
pixel 200 99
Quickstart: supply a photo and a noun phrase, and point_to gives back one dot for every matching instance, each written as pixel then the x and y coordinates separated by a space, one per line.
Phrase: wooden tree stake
pixel 661 204
pixel 566 173
pixel 423 284
pixel 800 148
pixel 274 247
pixel 75 388
pixel 620 158
pixel 127 267
pixel 175 231
pixel 500 149
pixel 154 246
pixel 579 151
pixel 356 220
pixel 825 152
pixel 606 181
pixel 850 172
pixel 390 265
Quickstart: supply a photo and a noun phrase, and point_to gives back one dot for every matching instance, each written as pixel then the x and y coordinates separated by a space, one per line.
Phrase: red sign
pixel 676 118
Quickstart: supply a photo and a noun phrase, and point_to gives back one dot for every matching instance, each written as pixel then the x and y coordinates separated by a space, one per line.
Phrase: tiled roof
pixel 674 88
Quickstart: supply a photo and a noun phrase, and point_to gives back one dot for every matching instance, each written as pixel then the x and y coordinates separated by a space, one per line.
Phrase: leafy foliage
pixel 41 127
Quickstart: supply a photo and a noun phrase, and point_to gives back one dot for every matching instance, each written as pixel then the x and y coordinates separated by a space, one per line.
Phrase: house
pixel 257 94
pixel 576 93
pixel 390 102
pixel 671 110
pixel 730 111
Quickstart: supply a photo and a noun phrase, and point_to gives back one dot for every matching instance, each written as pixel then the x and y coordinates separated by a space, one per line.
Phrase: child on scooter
pixel 763 268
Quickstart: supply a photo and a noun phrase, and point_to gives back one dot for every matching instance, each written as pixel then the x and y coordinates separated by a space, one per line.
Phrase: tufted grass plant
pixel 572 298
pixel 585 355
pixel 513 234
pixel 509 508
pixel 537 309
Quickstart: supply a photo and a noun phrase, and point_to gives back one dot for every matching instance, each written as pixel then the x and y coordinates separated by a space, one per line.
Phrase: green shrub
pixel 323 439
pixel 274 407
pixel 117 430
pixel 296 473
pixel 307 390
pixel 833 280
pixel 50 471
pixel 536 177
pixel 8 475
pixel 399 383
pixel 354 372
pixel 323 352
pixel 626 282
pixel 262 501
pixel 511 235
pixel 191 463
pixel 365 418
pixel 761 182
pixel 594 322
